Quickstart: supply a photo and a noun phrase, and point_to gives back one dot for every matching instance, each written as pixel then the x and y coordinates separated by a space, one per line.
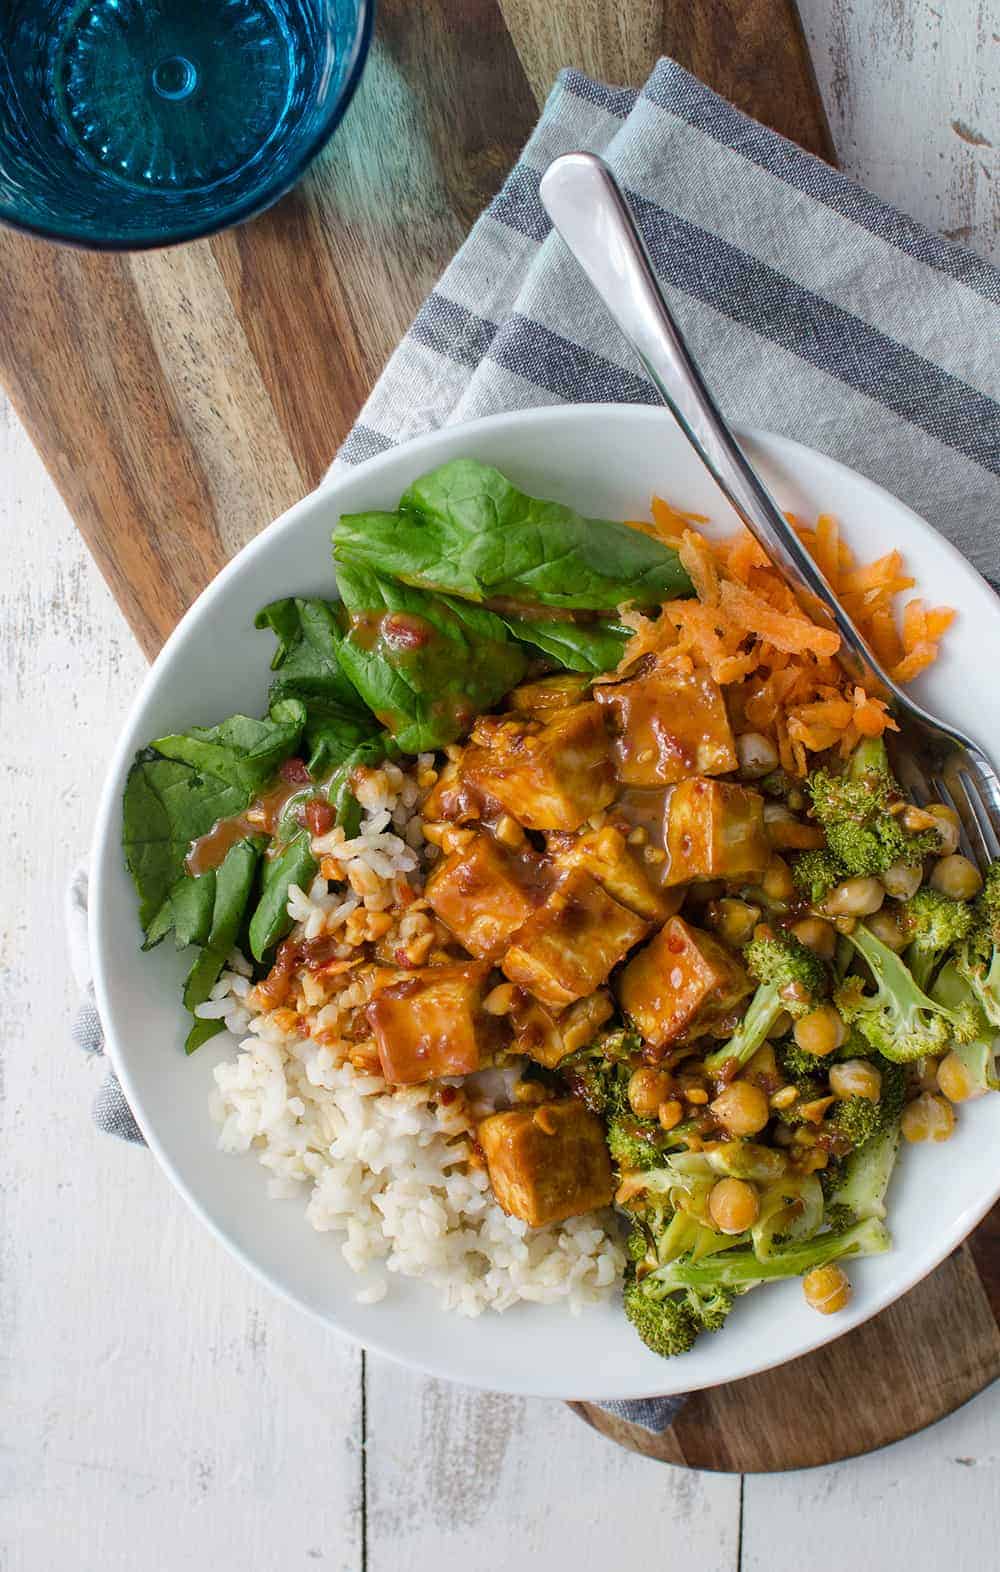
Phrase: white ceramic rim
pixel 106 835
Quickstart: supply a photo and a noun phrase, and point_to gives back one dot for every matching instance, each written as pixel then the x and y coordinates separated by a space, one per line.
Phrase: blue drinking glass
pixel 133 123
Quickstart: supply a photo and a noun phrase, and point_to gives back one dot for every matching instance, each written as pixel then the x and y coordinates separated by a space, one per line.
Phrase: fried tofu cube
pixel 608 858
pixel 430 1023
pixel 667 725
pixel 682 984
pixel 550 775
pixel 714 831
pixel 569 945
pixel 484 892
pixel 549 1038
pixel 547 1163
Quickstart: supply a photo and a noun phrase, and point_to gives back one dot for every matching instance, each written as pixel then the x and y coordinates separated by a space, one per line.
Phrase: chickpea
pixel 827 1289
pixel 741 1109
pixel 885 926
pixel 777 883
pixel 647 1089
pixel 756 754
pixel 733 1206
pixel 857 897
pixel 928 1118
pixel 670 1113
pixel 821 1031
pixel 817 936
pixel 954 1080
pixel 902 880
pixel 947 824
pixel 734 921
pixel 856 1078
pixel 780 1026
pixel 956 876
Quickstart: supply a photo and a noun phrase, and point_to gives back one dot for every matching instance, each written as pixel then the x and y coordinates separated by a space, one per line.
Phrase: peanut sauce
pixel 261 818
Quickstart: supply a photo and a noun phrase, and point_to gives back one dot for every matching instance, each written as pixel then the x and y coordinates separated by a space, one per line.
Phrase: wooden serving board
pixel 182 399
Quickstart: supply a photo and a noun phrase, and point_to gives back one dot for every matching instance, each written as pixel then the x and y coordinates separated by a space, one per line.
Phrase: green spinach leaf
pixel 340 793
pixel 241 751
pixel 309 636
pixel 187 910
pixel 270 922
pixel 466 530
pixel 425 664
pixel 167 805
pixel 233 882
pixel 575 646
pixel 202 1032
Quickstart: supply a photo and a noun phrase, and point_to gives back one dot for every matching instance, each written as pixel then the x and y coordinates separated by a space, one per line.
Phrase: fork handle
pixel 587 208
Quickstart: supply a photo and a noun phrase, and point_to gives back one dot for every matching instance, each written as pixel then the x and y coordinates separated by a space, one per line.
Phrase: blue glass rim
pixel 252 208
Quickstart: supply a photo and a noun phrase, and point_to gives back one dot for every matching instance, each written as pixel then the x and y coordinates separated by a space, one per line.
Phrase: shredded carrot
pixel 744 626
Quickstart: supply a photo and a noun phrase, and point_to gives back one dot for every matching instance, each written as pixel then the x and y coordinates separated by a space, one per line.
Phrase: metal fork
pixel 586 205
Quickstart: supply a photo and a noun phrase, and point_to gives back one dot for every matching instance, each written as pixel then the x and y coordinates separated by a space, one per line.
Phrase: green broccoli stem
pixel 868 758
pixel 764 1009
pixel 921 961
pixel 894 979
pixel 861 1190
pixel 740 1270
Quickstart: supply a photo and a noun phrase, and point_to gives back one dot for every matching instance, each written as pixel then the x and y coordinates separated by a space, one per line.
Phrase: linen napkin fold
pixel 812 307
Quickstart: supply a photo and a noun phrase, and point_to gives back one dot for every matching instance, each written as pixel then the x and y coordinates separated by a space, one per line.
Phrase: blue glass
pixel 133 123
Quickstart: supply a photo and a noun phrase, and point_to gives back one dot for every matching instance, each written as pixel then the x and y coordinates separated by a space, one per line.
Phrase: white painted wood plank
pixel 931 1501
pixel 912 89
pixel 459 1479
pixel 160 1410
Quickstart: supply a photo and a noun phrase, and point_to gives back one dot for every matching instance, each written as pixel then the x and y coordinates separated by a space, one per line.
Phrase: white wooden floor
pixel 160 1411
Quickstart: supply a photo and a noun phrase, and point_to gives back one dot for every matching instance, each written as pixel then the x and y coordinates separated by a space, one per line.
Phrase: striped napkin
pixel 812 307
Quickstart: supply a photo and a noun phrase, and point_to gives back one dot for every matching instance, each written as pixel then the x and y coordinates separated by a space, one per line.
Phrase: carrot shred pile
pixel 744 625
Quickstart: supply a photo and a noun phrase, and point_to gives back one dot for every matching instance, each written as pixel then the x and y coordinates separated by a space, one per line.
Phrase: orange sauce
pixel 261 818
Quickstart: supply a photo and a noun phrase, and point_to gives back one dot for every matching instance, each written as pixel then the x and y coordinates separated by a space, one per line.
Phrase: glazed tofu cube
pixel 430 1023
pixel 714 831
pixel 484 892
pixel 682 984
pixel 667 725
pixel 569 945
pixel 607 857
pixel 547 1163
pixel 548 1038
pixel 550 775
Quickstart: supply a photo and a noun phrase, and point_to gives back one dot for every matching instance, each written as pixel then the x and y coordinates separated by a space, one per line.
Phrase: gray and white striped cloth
pixel 813 308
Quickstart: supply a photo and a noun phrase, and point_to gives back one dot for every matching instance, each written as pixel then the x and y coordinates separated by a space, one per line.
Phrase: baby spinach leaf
pixel 576 646
pixel 425 664
pixel 202 1032
pixel 187 910
pixel 270 922
pixel 167 805
pixel 233 882
pixel 465 529
pixel 241 751
pixel 337 719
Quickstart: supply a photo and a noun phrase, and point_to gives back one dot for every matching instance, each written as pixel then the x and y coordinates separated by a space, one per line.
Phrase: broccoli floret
pixel 599 1073
pixel 790 977
pixel 934 923
pixel 862 832
pixel 979 957
pixel 898 1019
pixel 636 1143
pixel 860 1184
pixel 669 1306
pixel 816 872
pixel 858 1119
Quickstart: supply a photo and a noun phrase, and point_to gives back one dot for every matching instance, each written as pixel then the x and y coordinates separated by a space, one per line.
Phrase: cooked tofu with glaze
pixel 430 1023
pixel 549 1038
pixel 667 725
pixel 608 858
pixel 485 891
pixel 547 1163
pixel 714 831
pixel 569 945
pixel 682 984
pixel 550 775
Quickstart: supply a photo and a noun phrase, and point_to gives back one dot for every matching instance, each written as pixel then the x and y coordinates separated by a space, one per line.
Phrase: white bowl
pixel 606 461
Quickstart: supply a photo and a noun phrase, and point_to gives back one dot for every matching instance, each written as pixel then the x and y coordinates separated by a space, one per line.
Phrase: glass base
pixel 176 95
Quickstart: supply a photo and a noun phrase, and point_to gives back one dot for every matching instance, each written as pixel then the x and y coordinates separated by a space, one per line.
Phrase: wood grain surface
pixel 180 400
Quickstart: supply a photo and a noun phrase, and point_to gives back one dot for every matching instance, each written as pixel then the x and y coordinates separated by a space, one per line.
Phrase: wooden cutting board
pixel 182 399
